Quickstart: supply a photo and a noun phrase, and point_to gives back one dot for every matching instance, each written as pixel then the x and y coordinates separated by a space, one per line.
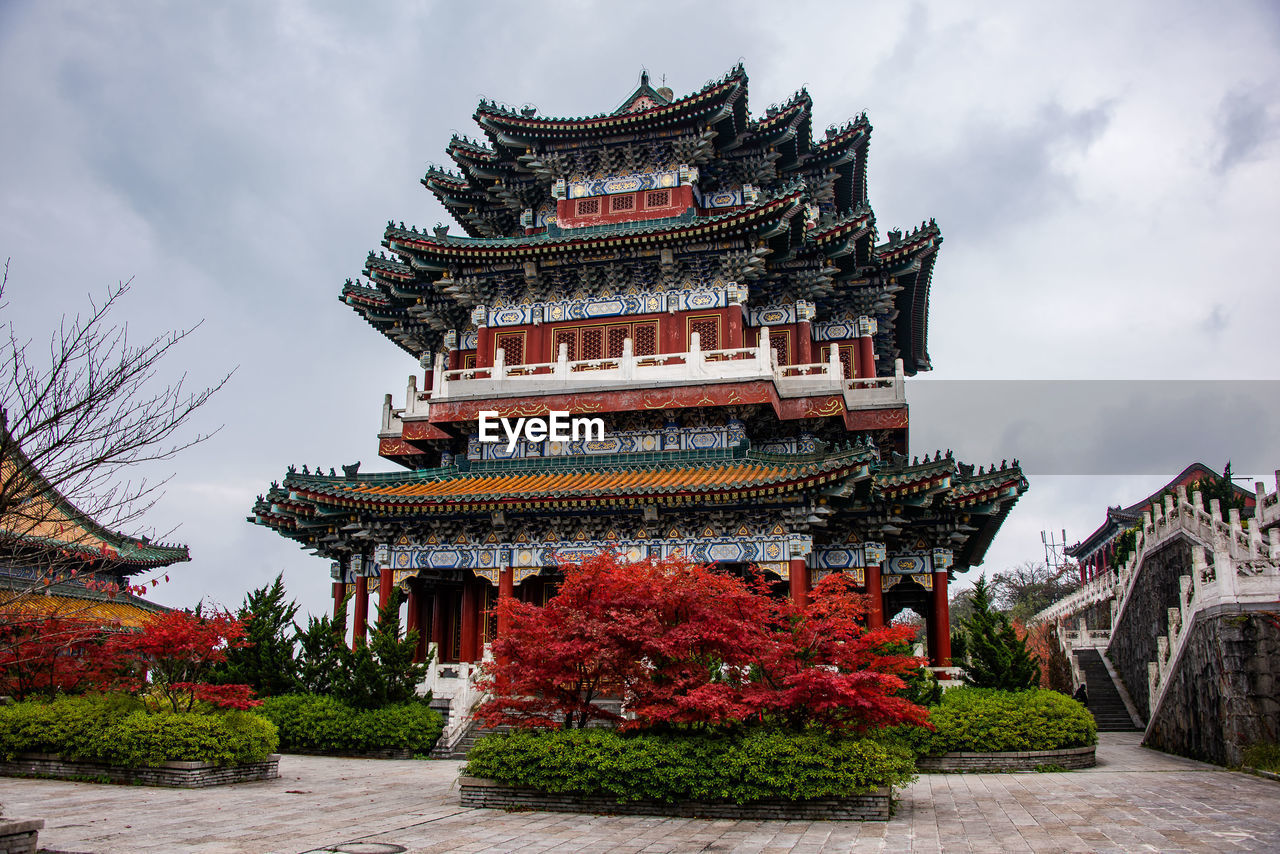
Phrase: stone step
pixel 1105 703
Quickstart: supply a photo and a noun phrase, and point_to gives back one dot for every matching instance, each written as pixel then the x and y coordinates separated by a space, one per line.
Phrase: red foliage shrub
pixel 173 653
pixel 49 654
pixel 682 644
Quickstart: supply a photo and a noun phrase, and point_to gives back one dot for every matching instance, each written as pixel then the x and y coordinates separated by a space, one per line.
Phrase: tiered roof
pixel 47 520
pixel 432 281
pixel 312 508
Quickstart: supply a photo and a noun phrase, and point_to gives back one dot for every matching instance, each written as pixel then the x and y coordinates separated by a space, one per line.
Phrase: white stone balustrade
pixel 629 371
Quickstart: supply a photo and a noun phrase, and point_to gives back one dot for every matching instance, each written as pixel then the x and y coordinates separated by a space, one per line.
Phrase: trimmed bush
pixel 116 730
pixel 322 724
pixel 740 767
pixel 986 720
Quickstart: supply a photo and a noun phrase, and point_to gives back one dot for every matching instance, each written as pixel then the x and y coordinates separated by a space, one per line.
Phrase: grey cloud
pixel 997 176
pixel 1248 125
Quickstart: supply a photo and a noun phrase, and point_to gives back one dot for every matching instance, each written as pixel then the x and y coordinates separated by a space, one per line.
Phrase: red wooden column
pixel 361 618
pixel 484 347
pixel 866 348
pixel 804 333
pixel 875 595
pixel 339 595
pixel 940 649
pixel 384 587
pixel 735 321
pixel 799 579
pixel 506 589
pixel 533 345
pixel 470 621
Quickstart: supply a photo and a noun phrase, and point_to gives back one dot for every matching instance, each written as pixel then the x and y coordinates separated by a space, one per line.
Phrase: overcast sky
pixel 1106 177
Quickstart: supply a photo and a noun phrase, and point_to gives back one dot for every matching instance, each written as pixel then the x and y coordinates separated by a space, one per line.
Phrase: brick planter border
pixel 179 775
pixel 1071 758
pixel 18 835
pixel 479 793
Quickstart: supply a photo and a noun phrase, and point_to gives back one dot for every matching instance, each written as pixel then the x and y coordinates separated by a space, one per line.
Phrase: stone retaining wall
pixel 389 753
pixel 18 836
pixel 480 793
pixel 180 775
pixel 1028 760
pixel 1225 693
pixel 1134 640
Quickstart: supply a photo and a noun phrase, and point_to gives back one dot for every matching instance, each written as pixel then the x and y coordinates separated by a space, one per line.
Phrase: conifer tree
pixel 381 671
pixel 266 661
pixel 322 652
pixel 998 658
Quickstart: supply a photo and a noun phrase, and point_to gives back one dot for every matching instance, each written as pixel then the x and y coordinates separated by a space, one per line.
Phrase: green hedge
pixel 323 724
pixel 118 731
pixel 740 767
pixel 986 720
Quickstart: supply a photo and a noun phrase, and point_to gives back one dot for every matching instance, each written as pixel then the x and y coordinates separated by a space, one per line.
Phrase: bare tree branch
pixel 75 423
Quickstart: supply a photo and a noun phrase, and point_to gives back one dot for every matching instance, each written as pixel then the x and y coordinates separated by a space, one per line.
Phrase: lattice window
pixel 645 339
pixel 588 207
pixel 592 343
pixel 512 346
pixel 846 361
pixel 490 624
pixel 622 203
pixel 708 329
pixel 657 198
pixel 616 336
pixel 569 337
pixel 469 362
pixel 780 342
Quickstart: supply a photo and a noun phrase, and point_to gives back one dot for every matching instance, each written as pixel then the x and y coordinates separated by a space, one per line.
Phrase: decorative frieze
pixel 633 183
pixel 670 438
pixel 781 315
pixel 718 294
pixel 771 553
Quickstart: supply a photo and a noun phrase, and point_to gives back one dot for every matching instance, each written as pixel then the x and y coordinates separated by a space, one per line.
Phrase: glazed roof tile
pixel 494 117
pixel 125 611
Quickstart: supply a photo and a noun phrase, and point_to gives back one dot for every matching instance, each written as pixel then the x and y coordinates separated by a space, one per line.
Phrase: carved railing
pixel 694 367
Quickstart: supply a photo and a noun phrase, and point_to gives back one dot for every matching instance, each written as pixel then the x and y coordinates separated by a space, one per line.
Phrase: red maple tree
pixel 173 654
pixel 682 644
pixel 49 654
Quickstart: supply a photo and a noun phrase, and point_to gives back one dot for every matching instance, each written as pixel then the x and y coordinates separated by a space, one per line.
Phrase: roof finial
pixel 644 77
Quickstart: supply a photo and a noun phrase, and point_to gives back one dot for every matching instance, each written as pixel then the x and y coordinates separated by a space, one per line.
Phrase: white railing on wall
pixel 629 371
pixel 1230 564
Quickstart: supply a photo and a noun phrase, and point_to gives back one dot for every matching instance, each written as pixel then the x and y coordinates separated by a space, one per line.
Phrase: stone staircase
pixel 1105 703
pixel 462 746
pixel 462 743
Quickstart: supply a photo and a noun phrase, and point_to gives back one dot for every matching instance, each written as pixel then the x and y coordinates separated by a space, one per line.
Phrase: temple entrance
pixel 910 594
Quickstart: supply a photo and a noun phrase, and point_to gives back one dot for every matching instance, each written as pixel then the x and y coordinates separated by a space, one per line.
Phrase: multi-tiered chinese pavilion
pixel 715 288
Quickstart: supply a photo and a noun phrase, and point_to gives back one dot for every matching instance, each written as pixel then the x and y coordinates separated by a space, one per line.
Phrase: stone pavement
pixel 1135 800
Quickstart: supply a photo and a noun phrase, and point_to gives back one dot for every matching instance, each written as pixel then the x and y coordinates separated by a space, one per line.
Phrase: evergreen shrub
pixel 321 724
pixel 1264 756
pixel 742 766
pixel 986 720
pixel 116 730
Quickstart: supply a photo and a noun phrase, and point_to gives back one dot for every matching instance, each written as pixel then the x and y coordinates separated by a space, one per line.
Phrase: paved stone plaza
pixel 1135 800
